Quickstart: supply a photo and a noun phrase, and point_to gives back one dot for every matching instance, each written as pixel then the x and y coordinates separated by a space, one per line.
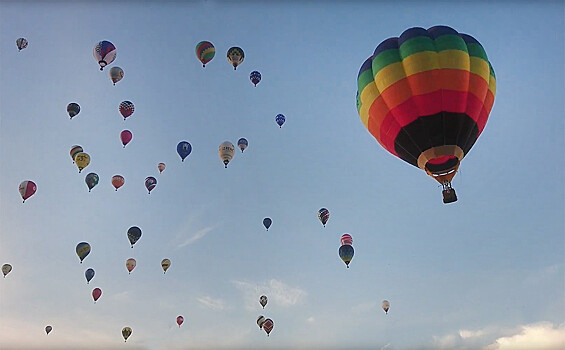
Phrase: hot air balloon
pixel 134 234
pixel 267 223
pixel 227 151
pixel 91 180
pixel 96 294
pixel 48 329
pixel 21 43
pixel 386 306
pixel 323 215
pixel 235 56
pixel 180 320
pixel 183 149
pixel 118 181
pixel 126 332
pixel 346 253
pixel 73 109
pixel 255 77
pixel 242 144
pixel 130 264
pixel 280 119
pixel 104 53
pixel 165 264
pixel 82 160
pixel 89 274
pixel 126 137
pixel 27 189
pixel 82 249
pixel 260 321
pixel 116 74
pixel 426 97
pixel 76 149
pixel 150 183
pixel 205 51
pixel 161 167
pixel 126 109
pixel 6 268
pixel 346 239
pixel 268 326
pixel 263 300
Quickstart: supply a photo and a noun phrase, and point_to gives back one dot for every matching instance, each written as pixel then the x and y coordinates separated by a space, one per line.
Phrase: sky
pixel 486 272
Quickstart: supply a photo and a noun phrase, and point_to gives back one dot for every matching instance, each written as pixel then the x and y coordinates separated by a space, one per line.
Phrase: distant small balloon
pixel 280 119
pixel 323 215
pixel 126 137
pixel 260 321
pixel 91 180
pixel 82 160
pixel 73 109
pixel 242 144
pixel 6 268
pixel 104 53
pixel 165 264
pixel 116 74
pixel 255 77
pixel 386 306
pixel 346 254
pixel 89 274
pixel 126 109
pixel 180 320
pixel 227 151
pixel 134 234
pixel 268 326
pixel 118 181
pixel 346 239
pixel 76 149
pixel 263 300
pixel 82 249
pixel 205 51
pixel 48 329
pixel 235 56
pixel 150 183
pixel 267 223
pixel 161 167
pixel 130 264
pixel 183 149
pixel 27 189
pixel 126 332
pixel 96 294
pixel 21 43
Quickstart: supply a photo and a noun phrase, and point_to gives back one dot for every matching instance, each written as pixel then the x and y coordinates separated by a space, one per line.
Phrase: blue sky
pixel 485 272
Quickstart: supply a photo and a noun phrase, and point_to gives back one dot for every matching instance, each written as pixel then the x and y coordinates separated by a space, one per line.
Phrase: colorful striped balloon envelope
pixel 426 97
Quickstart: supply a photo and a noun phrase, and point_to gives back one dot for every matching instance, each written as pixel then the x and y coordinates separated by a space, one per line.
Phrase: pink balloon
pixel 96 293
pixel 180 320
pixel 346 239
pixel 126 137
pixel 27 189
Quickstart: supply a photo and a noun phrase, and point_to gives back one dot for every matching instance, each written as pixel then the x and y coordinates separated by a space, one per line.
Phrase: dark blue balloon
pixel 267 223
pixel 280 120
pixel 134 234
pixel 89 274
pixel 183 149
pixel 346 254
pixel 255 77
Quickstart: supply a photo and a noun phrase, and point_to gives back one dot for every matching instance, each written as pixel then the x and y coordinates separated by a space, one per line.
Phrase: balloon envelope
pixel 126 109
pixel 126 137
pixel 165 264
pixel 48 329
pixel 255 77
pixel 227 151
pixel 82 160
pixel 6 268
pixel 235 56
pixel 82 249
pixel 180 320
pixel 104 53
pixel 118 181
pixel 116 74
pixel 346 254
pixel 268 326
pixel 267 223
pixel 21 43
pixel 183 149
pixel 96 294
pixel 386 306
pixel 89 274
pixel 73 109
pixel 161 167
pixel 242 144
pixel 91 180
pixel 323 215
pixel 260 321
pixel 205 51
pixel 130 264
pixel 150 183
pixel 263 300
pixel 425 97
pixel 346 239
pixel 76 149
pixel 126 332
pixel 27 189
pixel 280 119
pixel 134 234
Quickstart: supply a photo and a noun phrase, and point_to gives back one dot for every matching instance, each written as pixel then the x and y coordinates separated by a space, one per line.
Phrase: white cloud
pixel 276 291
pixel 198 235
pixel 211 303
pixel 465 333
pixel 311 319
pixel 540 336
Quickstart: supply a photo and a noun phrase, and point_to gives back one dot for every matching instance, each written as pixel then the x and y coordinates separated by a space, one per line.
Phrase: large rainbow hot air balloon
pixel 426 97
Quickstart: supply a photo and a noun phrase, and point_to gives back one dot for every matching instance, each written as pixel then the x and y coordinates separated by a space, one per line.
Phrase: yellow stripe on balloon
pixel 480 67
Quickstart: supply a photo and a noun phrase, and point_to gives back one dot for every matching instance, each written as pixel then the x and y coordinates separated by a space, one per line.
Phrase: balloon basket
pixel 449 195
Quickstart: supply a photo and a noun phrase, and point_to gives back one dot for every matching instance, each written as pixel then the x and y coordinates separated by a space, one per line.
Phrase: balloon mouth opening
pixel 442 166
